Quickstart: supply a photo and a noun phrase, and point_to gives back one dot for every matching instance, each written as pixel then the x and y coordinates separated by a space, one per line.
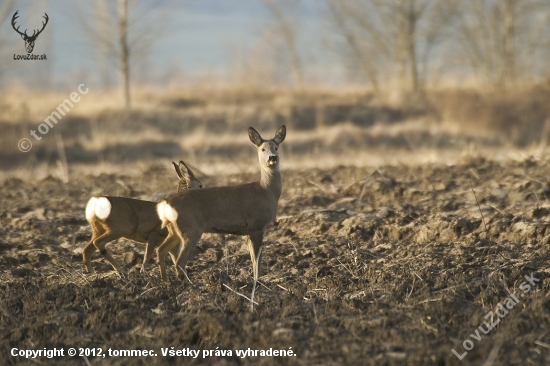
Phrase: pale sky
pixel 197 38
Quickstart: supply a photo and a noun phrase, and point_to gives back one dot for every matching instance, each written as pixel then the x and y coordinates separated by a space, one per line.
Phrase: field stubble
pixel 380 254
pixel 389 265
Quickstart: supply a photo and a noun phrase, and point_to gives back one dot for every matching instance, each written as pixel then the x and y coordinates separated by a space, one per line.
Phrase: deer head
pixel 268 149
pixel 187 178
pixel 29 40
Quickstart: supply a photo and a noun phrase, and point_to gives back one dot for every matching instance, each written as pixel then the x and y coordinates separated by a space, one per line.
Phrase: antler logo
pixel 29 40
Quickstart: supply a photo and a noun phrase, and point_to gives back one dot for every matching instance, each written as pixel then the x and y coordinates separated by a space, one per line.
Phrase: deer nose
pixel 272 158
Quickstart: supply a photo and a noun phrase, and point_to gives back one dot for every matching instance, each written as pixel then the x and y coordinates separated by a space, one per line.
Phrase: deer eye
pixel 276 149
pixel 263 149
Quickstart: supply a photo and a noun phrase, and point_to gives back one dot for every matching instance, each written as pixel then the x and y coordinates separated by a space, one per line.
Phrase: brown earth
pixel 388 266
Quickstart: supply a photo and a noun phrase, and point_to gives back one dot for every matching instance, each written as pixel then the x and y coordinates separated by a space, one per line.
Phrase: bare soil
pixel 388 266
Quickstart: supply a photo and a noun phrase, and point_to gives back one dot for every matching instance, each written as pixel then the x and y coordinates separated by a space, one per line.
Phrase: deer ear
pixel 177 169
pixel 23 36
pixel 280 135
pixel 186 173
pixel 255 136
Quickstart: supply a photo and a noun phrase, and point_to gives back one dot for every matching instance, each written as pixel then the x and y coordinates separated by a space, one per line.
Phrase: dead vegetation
pixel 371 265
pixel 172 123
pixel 380 255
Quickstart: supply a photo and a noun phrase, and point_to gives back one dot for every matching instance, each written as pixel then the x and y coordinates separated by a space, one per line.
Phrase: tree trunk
pixel 363 60
pixel 508 43
pixel 402 44
pixel 411 47
pixel 289 37
pixel 124 53
pixel 297 68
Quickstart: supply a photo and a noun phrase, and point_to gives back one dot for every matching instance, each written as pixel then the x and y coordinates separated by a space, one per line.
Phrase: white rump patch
pixel 102 208
pixel 90 209
pixel 166 213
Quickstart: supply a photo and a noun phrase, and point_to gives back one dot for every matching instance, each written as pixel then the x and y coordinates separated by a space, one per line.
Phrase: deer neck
pixel 272 181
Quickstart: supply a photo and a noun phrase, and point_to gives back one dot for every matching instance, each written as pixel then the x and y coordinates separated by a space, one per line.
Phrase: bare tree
pixel 364 57
pixel 124 51
pixel 285 15
pixel 395 34
pixel 122 31
pixel 503 40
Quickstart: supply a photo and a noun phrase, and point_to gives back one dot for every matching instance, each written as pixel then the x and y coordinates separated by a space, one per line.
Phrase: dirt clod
pixel 398 277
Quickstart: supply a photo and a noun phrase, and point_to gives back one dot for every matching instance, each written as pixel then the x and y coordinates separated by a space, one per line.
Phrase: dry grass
pixel 378 239
pixel 406 269
pixel 206 124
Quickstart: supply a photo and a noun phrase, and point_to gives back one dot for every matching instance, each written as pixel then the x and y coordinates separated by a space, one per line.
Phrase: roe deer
pixel 245 209
pixel 120 217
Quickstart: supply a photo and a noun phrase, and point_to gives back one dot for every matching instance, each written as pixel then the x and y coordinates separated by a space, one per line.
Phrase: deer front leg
pixel 152 242
pixel 255 246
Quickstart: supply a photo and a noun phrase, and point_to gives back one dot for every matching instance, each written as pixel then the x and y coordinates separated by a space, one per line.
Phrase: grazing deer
pixel 245 209
pixel 119 217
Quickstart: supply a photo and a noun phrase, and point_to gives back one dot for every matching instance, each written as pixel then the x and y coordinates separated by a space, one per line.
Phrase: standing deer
pixel 119 217
pixel 245 209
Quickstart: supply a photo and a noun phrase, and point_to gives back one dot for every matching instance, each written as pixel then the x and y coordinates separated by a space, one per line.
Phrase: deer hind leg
pixel 189 243
pixel 100 245
pixel 152 242
pixel 167 245
pixel 155 239
pixel 174 255
pixel 90 248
